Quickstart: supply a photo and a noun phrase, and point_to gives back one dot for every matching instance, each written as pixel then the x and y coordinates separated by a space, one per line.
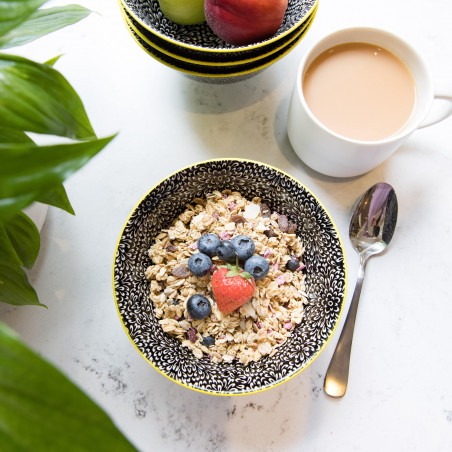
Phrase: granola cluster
pixel 262 324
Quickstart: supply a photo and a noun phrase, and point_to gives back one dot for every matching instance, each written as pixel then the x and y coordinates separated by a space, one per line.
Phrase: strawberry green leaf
pixel 246 275
pixel 233 270
pixel 238 272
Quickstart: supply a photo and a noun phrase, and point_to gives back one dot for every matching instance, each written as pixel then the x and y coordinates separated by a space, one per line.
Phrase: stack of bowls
pixel 196 50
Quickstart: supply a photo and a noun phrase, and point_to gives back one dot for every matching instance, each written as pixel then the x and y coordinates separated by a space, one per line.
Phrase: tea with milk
pixel 360 91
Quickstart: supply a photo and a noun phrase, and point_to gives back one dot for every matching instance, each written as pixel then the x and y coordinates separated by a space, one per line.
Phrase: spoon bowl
pixel 371 229
pixel 374 219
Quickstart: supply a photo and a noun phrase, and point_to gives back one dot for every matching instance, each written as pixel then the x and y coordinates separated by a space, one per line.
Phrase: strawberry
pixel 232 287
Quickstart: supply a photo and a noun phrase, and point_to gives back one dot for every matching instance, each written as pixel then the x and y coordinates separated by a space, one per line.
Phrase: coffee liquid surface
pixel 360 91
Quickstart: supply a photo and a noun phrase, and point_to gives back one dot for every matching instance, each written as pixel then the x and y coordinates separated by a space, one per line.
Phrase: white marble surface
pixel 400 391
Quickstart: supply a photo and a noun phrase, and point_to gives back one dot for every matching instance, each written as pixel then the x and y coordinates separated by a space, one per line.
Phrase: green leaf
pixel 57 197
pixel 15 288
pixel 241 273
pixel 13 136
pixel 41 23
pixel 232 271
pixel 14 12
pixel 29 172
pixel 36 98
pixel 235 270
pixel 24 237
pixel 7 250
pixel 41 410
pixel 53 60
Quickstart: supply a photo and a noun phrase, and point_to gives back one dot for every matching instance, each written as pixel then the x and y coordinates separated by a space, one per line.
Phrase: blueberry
pixel 198 306
pixel 199 264
pixel 257 267
pixel 208 341
pixel 244 246
pixel 293 264
pixel 226 252
pixel 208 244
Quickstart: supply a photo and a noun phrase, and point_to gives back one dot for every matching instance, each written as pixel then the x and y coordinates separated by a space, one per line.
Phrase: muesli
pixel 259 326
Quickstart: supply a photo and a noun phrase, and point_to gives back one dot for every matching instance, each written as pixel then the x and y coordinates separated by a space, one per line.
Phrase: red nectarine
pixel 242 22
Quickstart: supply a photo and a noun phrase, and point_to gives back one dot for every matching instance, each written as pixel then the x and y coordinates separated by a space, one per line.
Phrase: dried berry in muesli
pixel 260 325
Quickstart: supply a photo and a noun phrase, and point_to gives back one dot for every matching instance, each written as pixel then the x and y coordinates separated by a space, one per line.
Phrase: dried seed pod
pixel 181 271
pixel 192 334
pixel 238 219
pixel 291 228
pixel 171 248
pixel 265 210
pixel 270 233
pixel 283 223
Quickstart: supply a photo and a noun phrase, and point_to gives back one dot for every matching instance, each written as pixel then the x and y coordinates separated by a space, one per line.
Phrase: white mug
pixel 335 155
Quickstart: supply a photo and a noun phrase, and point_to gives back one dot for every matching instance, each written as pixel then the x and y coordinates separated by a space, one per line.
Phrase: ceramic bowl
pixel 323 257
pixel 224 73
pixel 200 37
pixel 219 58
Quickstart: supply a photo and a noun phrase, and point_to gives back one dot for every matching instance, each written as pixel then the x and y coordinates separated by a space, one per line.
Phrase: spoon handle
pixel 336 377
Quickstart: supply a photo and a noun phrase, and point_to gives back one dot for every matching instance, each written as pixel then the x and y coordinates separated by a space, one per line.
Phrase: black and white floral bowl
pixel 214 73
pixel 220 58
pixel 325 278
pixel 199 43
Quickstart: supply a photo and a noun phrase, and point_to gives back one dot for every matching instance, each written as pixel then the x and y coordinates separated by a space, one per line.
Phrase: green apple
pixel 183 12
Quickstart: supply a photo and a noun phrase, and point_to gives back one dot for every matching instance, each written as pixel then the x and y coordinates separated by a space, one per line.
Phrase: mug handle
pixel 443 91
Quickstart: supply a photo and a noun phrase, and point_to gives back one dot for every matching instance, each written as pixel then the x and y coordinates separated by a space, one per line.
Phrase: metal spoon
pixel 371 229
